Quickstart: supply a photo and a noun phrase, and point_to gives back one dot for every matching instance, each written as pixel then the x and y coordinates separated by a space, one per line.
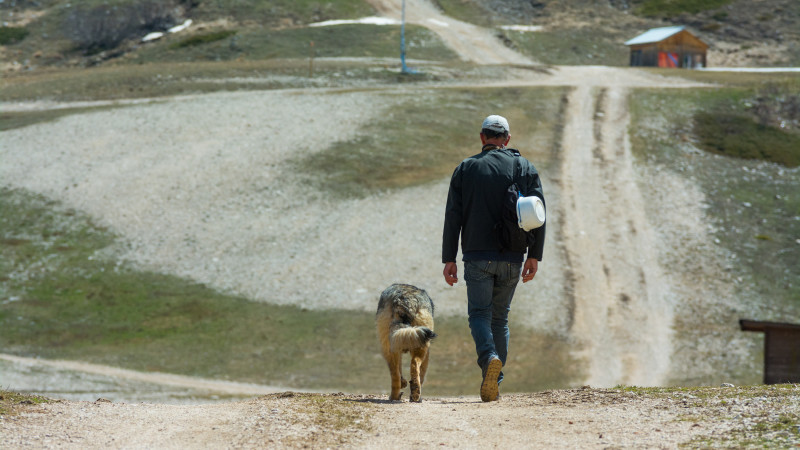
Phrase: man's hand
pixel 529 270
pixel 450 273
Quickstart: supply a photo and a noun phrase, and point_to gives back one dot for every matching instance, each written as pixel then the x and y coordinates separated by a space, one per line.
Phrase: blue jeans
pixel 490 288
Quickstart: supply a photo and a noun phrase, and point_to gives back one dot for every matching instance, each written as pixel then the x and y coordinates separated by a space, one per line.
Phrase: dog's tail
pixel 404 337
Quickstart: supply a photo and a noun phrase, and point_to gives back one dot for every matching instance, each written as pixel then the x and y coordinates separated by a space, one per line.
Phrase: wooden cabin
pixel 781 350
pixel 668 47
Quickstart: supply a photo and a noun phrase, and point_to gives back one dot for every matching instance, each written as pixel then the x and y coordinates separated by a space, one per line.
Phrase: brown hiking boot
pixel 489 388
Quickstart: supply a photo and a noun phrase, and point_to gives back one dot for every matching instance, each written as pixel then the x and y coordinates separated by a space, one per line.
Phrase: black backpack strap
pixel 517 172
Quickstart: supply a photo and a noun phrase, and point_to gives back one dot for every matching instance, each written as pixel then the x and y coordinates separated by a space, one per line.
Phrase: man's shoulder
pixel 491 157
pixel 472 159
pixel 523 159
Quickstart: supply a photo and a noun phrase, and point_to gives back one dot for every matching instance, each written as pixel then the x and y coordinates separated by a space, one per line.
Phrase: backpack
pixel 509 235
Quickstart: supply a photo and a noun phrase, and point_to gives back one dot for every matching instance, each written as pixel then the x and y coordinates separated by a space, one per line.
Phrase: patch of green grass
pixel 425 137
pixel 60 297
pixel 12 35
pixel 351 40
pixel 739 136
pixel 585 45
pixel 142 81
pixel 12 120
pixel 205 38
pixel 282 12
pixel 167 79
pixel 11 402
pixel 674 8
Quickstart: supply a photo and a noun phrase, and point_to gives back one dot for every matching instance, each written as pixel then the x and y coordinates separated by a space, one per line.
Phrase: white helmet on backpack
pixel 530 212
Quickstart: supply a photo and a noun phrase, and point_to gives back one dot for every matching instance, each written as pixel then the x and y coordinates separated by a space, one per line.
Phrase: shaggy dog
pixel 405 324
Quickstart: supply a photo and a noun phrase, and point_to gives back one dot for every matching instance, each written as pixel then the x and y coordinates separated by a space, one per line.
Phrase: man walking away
pixel 492 271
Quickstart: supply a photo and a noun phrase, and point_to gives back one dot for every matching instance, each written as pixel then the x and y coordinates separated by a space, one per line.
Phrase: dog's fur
pixel 405 324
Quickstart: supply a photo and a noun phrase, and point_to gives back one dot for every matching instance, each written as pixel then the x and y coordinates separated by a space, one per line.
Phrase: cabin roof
pixel 655 35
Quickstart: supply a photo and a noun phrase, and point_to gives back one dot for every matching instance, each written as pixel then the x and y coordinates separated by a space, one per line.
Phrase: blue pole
pixel 403 39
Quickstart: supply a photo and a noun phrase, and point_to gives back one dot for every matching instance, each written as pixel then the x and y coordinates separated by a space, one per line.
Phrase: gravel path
pixel 580 418
pixel 470 42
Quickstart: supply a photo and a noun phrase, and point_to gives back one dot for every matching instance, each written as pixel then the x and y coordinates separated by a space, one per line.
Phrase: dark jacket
pixel 474 205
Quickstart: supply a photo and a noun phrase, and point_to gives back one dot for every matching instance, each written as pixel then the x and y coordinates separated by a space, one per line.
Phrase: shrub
pixel 12 35
pixel 674 8
pixel 203 39
pixel 105 26
pixel 711 27
pixel 720 16
pixel 772 106
pixel 740 136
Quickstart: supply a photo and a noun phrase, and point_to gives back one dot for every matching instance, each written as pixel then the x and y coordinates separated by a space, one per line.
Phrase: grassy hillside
pixel 752 190
pixel 66 34
pixel 749 189
pixel 259 44
pixel 591 32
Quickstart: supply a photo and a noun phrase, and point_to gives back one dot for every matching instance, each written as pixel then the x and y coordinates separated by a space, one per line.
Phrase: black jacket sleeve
pixel 533 186
pixel 453 219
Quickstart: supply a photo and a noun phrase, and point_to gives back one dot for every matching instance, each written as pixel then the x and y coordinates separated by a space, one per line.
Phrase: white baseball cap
pixel 496 123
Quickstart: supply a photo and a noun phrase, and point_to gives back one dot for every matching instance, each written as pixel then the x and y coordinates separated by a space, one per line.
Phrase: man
pixel 473 212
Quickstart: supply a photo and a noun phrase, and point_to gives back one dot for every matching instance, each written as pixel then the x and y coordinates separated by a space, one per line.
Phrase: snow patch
pixel 522 27
pixel 363 20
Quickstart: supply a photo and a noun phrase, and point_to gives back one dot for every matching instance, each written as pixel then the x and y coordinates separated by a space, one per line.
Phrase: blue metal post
pixel 404 68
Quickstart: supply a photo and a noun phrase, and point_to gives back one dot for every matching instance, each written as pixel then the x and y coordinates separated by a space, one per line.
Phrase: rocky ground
pixel 580 418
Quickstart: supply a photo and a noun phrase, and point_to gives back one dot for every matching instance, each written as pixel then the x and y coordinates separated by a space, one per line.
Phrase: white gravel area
pixel 196 187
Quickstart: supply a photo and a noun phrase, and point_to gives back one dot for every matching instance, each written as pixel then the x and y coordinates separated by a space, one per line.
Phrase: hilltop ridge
pixel 56 33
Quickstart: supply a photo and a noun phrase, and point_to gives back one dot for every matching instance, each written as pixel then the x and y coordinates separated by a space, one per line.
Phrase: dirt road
pixel 622 310
pixel 584 418
pixel 470 42
pixel 579 418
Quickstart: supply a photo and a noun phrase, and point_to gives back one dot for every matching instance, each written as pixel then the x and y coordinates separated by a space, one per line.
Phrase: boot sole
pixel 489 388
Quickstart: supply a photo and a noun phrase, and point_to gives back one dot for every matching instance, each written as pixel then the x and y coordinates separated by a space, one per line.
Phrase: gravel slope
pixel 197 187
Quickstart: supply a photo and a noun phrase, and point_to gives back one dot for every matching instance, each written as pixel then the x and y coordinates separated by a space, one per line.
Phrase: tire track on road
pixel 623 315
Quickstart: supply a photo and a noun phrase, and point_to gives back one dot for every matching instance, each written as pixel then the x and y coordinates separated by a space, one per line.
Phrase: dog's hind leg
pixel 423 368
pixel 398 383
pixel 417 358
